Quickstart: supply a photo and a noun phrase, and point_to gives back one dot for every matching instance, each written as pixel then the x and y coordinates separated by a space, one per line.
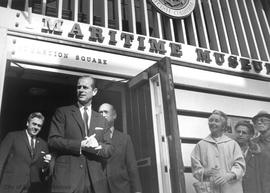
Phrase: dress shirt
pixel 111 129
pixel 29 139
pixel 89 112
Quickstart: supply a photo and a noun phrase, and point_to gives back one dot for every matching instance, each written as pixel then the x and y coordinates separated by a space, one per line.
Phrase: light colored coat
pixel 224 154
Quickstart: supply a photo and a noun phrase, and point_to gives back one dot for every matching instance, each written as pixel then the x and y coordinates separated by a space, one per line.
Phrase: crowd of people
pixel 85 153
pixel 239 163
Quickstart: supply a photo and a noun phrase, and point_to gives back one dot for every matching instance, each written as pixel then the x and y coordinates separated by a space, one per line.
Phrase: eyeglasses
pixel 262 120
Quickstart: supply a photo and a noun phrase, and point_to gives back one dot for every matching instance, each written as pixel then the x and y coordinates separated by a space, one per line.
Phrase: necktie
pixel 85 119
pixel 32 146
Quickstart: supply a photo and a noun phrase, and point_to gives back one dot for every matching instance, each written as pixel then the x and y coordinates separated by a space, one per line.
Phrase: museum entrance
pixel 145 105
pixel 29 90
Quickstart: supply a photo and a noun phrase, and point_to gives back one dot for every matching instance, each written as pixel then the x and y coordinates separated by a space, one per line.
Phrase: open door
pixel 153 125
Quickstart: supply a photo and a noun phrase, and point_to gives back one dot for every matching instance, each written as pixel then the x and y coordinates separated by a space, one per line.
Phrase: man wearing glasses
pixel 258 172
pixel 262 125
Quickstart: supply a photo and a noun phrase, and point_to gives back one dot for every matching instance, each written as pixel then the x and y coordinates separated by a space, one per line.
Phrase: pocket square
pixel 98 128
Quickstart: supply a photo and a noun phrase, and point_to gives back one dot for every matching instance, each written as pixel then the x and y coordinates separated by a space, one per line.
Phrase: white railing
pixel 239 27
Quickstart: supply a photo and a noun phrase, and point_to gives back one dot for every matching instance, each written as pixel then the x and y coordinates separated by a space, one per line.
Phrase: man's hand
pixel 84 143
pixel 47 158
pixel 90 141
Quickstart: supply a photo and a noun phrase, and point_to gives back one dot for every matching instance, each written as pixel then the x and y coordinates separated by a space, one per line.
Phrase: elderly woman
pixel 244 131
pixel 218 158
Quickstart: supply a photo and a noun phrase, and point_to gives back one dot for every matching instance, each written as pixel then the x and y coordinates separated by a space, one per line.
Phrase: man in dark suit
pixel 22 161
pixel 121 168
pixel 80 139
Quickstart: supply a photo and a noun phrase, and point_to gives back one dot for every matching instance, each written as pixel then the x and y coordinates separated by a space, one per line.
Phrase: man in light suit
pixel 121 169
pixel 22 164
pixel 80 139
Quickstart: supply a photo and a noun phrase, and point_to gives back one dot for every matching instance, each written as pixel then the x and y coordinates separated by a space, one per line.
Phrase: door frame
pixel 175 165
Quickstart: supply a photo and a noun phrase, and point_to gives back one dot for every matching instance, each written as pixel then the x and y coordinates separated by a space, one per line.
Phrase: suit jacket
pixel 66 133
pixel 17 167
pixel 121 169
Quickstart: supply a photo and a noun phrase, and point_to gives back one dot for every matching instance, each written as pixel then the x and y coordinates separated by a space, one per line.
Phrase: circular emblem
pixel 175 8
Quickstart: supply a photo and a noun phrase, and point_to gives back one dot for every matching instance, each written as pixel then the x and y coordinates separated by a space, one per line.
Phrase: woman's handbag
pixel 203 186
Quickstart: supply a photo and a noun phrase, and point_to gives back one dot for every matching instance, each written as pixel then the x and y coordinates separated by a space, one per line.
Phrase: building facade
pixel 165 65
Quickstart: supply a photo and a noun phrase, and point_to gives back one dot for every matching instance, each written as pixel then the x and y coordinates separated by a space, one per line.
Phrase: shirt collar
pixel 29 136
pixel 221 139
pixel 112 129
pixel 81 107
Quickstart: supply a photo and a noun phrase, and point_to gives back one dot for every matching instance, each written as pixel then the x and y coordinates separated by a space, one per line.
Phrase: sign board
pixel 121 42
pixel 58 55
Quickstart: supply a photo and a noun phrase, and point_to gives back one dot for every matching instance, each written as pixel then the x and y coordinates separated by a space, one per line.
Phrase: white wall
pixel 202 102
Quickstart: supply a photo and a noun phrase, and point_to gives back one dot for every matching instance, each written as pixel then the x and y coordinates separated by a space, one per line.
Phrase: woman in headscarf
pixel 218 158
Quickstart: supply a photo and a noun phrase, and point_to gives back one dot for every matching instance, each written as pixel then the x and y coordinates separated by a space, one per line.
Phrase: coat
pixel 121 169
pixel 65 136
pixel 258 169
pixel 225 155
pixel 17 167
pixel 257 174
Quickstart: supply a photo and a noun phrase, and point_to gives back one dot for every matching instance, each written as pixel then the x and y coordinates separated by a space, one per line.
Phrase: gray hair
pixel 36 115
pixel 221 114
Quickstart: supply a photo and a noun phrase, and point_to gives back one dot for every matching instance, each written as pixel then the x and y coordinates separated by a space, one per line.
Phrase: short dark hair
pixel 247 124
pixel 90 77
pixel 36 115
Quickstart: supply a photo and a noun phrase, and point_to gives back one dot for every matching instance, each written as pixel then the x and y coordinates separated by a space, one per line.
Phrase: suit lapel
pixel 37 148
pixel 93 123
pixel 26 141
pixel 115 137
pixel 78 117
pixel 248 156
pixel 114 142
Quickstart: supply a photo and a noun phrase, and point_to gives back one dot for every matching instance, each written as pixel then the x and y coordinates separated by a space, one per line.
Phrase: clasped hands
pixel 90 142
pixel 47 157
pixel 218 177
